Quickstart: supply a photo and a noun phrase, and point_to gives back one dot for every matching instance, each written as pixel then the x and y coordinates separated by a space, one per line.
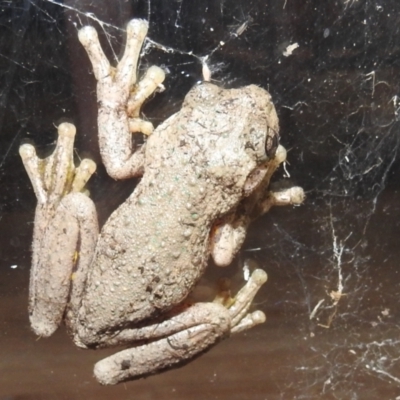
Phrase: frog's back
pixel 150 254
pixel 153 249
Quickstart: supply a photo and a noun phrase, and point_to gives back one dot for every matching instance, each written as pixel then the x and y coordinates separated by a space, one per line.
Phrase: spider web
pixel 333 71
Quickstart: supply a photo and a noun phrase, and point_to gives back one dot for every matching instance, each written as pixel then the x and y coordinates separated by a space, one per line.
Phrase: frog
pixel 204 176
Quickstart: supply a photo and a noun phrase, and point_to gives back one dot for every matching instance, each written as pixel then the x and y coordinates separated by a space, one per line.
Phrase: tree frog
pixel 205 175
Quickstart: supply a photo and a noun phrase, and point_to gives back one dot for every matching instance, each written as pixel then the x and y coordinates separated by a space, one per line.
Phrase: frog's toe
pixel 241 319
pixel 259 277
pixel 55 176
pixel 249 320
pixel 83 173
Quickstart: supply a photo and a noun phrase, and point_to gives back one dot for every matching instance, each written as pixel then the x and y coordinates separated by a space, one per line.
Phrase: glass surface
pixel 331 300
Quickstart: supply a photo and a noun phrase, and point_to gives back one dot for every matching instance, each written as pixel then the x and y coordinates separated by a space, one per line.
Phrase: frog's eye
pixel 271 142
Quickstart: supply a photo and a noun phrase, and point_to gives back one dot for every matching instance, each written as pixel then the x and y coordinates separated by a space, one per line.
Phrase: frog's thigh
pixel 196 329
pixel 63 247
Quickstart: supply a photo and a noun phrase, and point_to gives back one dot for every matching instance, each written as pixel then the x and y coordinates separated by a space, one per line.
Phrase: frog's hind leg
pixel 65 231
pixel 181 337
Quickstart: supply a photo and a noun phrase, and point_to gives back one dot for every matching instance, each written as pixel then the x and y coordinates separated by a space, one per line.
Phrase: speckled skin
pixel 205 176
pixel 157 242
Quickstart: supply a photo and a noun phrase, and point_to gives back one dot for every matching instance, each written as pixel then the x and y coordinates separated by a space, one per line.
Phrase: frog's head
pixel 237 132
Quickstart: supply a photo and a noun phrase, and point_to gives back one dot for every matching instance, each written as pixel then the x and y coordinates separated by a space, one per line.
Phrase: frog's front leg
pixel 120 98
pixel 65 232
pixel 229 233
pixel 180 337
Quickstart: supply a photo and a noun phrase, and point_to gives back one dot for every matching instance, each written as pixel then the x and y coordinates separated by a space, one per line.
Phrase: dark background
pixel 337 100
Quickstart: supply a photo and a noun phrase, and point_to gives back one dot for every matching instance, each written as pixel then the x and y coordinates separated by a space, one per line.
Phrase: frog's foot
pixel 55 176
pixel 241 319
pixel 278 194
pixel 65 231
pixel 120 96
pixel 287 196
pixel 181 337
pixel 119 85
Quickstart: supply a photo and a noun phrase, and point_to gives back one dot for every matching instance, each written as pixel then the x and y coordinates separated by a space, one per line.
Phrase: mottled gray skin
pixel 157 242
pixel 206 172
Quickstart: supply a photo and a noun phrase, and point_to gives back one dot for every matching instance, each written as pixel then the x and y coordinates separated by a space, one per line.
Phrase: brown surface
pixel 286 358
